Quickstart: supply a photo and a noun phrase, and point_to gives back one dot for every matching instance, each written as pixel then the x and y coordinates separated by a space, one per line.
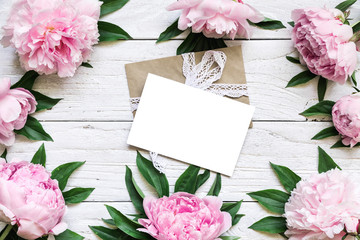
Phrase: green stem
pixel 6 232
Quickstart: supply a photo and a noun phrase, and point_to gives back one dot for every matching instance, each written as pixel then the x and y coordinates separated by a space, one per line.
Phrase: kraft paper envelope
pixel 190 125
pixel 171 68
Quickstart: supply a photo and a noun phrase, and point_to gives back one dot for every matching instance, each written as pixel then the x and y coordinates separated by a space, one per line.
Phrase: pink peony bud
pixel 323 206
pixel 15 106
pixel 30 199
pixel 346 118
pixel 53 36
pixel 185 216
pixel 323 42
pixel 217 18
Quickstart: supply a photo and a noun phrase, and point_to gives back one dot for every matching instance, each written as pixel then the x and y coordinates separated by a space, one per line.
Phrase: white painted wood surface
pixel 93 120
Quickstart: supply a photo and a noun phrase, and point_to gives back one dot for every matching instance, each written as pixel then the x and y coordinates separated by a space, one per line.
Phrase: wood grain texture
pixel 92 121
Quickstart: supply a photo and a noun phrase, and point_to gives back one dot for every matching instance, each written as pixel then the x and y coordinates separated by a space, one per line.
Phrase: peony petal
pixel 5 85
pixel 10 109
pixel 30 230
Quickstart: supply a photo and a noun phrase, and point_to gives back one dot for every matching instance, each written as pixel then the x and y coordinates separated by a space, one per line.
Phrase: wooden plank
pixel 103 147
pixel 101 94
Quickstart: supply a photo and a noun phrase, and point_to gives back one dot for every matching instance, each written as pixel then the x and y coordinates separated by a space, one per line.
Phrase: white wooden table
pixel 92 122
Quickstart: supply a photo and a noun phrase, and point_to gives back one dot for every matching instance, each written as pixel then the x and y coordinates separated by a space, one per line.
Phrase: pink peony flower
pixel 323 43
pixel 30 199
pixel 184 216
pixel 217 18
pixel 323 206
pixel 15 106
pixel 53 36
pixel 346 118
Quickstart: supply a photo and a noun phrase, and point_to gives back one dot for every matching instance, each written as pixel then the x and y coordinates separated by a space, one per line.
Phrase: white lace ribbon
pixel 202 76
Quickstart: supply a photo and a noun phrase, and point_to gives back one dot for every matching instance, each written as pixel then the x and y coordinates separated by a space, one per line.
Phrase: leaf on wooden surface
pixel 321 108
pixel 229 238
pixel 110 32
pixel 33 130
pixel 40 156
pixel 327 132
pixel 69 235
pixel 126 225
pixel 171 32
pixel 27 81
pixel 4 154
pixel 152 175
pixel 136 195
pixel 86 64
pixel 63 172
pixel 322 85
pixel 293 60
pixel 326 163
pixel 216 187
pixel 232 209
pixel 77 195
pixel 291 24
pixel 44 102
pixel 110 6
pixel 301 78
pixel 345 5
pixel 196 42
pixel 268 24
pixel 287 177
pixel 109 233
pixel 270 224
pixel 271 199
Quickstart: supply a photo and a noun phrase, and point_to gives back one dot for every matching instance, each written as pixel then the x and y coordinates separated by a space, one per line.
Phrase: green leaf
pixel 110 32
pixel 107 233
pixel 202 178
pixel 110 6
pixel 353 78
pixel 77 195
pixel 301 78
pixel 237 219
pixel 136 195
pixel 321 108
pixel 268 24
pixel 327 132
pixel 40 156
pixel 293 60
pixel 44 102
pixel 4 154
pixel 196 42
pixel 33 130
pixel 63 172
pixel 216 187
pixel 229 238
pixel 345 5
pixel 27 81
pixel 339 144
pixel 153 177
pixel 271 199
pixel 270 225
pixel 86 64
pixel 326 163
pixel 291 24
pixel 356 27
pixel 170 32
pixel 322 85
pixel 126 225
pixel 109 221
pixel 232 209
pixel 187 181
pixel 287 177
pixel 69 235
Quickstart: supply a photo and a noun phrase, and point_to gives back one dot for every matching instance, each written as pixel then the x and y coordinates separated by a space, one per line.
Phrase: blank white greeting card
pixel 190 125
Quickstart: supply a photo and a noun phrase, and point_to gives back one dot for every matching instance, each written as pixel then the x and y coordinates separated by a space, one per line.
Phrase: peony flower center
pixel 345 121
